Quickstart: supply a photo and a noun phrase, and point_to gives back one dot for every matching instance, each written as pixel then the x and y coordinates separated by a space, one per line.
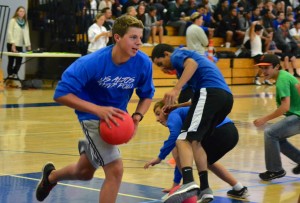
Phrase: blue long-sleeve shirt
pixel 174 123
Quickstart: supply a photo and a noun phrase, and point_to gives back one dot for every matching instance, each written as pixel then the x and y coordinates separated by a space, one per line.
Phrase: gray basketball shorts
pixel 98 151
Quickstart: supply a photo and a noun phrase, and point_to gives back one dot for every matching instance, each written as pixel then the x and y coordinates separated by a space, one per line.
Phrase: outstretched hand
pixel 153 162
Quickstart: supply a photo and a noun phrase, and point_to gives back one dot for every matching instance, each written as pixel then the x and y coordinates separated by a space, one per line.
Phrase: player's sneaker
pixel 268 175
pixel 205 196
pixel 256 81
pixel 296 170
pixel 242 193
pixel 44 187
pixel 268 82
pixel 184 191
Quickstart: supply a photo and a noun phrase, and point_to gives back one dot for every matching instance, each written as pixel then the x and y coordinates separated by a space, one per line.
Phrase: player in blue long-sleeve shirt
pixel 225 132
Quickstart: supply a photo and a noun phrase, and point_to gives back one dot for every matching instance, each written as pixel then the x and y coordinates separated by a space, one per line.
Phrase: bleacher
pixel 236 71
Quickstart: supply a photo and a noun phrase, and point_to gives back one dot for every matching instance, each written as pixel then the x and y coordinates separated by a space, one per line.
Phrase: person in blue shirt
pixel 226 133
pixel 211 103
pixel 99 86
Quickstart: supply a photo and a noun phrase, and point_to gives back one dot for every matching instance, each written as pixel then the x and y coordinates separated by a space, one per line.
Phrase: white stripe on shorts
pixel 198 113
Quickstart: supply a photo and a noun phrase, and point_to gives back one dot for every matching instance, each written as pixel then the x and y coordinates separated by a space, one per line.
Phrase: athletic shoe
pixel 184 191
pixel 205 196
pixel 296 75
pixel 257 82
pixel 44 187
pixel 268 82
pixel 296 170
pixel 268 175
pixel 242 193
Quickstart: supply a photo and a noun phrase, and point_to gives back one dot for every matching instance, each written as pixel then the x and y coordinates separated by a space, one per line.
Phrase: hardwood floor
pixel 34 130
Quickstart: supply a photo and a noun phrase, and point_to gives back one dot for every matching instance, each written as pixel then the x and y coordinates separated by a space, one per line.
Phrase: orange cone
pixel 171 161
pixel 210 55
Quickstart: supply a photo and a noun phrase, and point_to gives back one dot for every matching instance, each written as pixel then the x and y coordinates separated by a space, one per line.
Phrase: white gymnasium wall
pixel 13 4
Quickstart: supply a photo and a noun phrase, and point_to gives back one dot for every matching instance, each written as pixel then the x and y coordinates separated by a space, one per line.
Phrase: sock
pixel 187 175
pixel 295 71
pixel 238 186
pixel 203 176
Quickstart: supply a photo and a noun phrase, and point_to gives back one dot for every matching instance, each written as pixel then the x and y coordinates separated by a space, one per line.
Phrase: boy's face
pixel 131 41
pixel 269 72
pixel 164 63
pixel 160 117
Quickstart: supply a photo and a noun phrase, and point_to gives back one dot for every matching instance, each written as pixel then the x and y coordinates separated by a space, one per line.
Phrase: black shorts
pixel 220 142
pixel 209 108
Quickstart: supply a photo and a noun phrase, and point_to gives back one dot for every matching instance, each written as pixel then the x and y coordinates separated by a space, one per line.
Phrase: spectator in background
pixel 268 18
pixel 196 38
pixel 141 15
pixel 208 21
pixel 108 23
pixel 176 16
pixel 105 3
pixel 97 34
pixel 131 11
pixel 277 22
pixel 155 25
pixel 245 20
pixel 230 29
pixel 17 37
pixel 129 3
pixel 285 42
pixel 256 44
pixel 221 10
pixel 190 7
pixel 295 31
pixel 116 8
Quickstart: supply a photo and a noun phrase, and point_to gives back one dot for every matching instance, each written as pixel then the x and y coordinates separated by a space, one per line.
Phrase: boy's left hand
pixel 152 162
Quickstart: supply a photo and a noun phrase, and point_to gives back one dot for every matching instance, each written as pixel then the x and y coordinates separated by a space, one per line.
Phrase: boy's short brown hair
pixel 124 22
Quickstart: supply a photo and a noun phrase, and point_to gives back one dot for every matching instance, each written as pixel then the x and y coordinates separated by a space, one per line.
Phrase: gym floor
pixel 35 130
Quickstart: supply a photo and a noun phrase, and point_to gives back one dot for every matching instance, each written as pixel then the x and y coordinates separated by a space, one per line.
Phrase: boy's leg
pixel 275 142
pixel 82 170
pixel 113 178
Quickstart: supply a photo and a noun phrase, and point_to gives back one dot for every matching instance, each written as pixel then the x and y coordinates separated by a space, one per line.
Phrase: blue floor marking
pixel 21 188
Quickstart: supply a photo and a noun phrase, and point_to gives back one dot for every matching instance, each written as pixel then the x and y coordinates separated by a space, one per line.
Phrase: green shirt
pixel 285 87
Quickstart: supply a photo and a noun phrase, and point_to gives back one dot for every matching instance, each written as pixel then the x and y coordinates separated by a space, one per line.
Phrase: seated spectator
pixel 277 22
pixel 147 29
pixel 190 7
pixel 208 21
pixel 221 10
pixel 256 31
pixel 295 31
pixel 97 34
pixel 176 16
pixel 105 3
pixel 116 8
pixel 131 11
pixel 195 36
pixel 285 42
pixel 155 25
pixel 129 3
pixel 268 19
pixel 245 20
pixel 230 29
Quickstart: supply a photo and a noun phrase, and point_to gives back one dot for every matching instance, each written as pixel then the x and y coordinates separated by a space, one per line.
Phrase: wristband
pixel 138 113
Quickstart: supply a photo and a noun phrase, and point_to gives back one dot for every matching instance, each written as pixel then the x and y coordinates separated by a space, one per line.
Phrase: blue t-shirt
pixel 96 79
pixel 207 74
pixel 174 123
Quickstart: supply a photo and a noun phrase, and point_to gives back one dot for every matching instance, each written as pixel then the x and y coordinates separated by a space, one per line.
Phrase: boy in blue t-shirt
pixel 99 86
pixel 211 103
pixel 226 133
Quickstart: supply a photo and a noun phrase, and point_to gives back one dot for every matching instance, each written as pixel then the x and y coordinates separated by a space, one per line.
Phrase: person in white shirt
pixel 295 31
pixel 97 34
pixel 196 38
pixel 17 37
